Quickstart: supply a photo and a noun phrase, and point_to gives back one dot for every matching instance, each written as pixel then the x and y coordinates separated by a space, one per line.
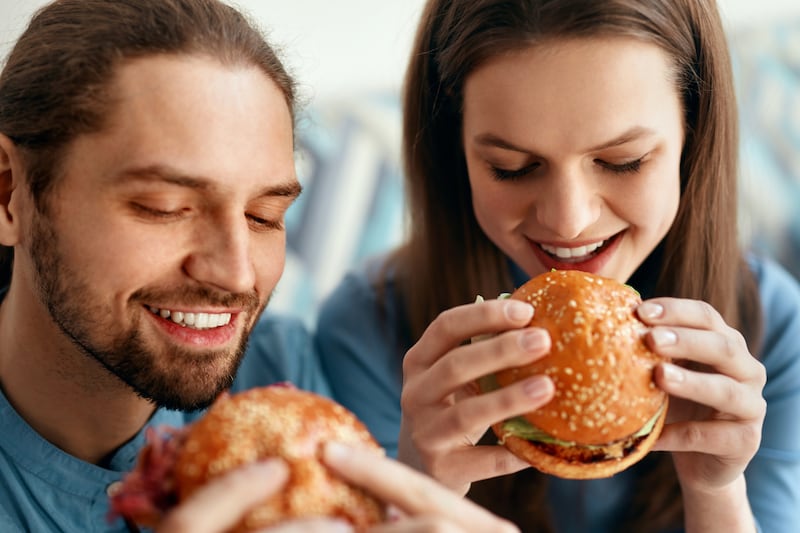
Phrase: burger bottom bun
pixel 568 468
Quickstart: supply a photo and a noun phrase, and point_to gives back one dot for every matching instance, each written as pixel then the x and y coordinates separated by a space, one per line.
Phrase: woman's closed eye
pixel 621 168
pixel 504 174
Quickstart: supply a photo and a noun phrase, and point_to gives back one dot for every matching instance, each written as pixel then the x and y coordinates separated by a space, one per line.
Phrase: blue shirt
pixel 43 489
pixel 361 346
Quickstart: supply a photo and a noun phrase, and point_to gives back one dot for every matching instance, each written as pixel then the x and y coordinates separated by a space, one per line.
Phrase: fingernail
pixel 672 373
pixel 664 337
pixel 650 310
pixel 336 451
pixel 519 311
pixel 532 340
pixel 339 526
pixel 537 387
pixel 269 467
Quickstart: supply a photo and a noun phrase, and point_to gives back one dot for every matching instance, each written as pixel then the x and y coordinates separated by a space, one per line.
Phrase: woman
pixel 597 136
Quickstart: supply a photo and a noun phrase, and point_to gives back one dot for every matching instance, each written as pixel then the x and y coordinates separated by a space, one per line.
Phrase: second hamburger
pixel 607 411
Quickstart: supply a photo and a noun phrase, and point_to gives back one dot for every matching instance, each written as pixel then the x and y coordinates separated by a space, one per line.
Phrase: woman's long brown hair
pixel 447 259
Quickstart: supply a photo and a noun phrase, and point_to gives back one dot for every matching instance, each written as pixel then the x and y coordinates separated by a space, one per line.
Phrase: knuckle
pixel 729 347
pixel 409 363
pixel 709 314
pixel 406 401
pixel 730 393
pixel 692 436
pixel 762 407
pixel 505 400
pixel 739 339
pixel 449 370
pixel 751 436
pixel 460 420
pixel 761 375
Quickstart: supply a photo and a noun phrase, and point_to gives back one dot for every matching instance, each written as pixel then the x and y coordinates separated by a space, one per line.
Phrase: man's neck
pixel 68 398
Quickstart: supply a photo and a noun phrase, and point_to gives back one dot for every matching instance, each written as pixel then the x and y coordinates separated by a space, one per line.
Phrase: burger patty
pixel 594 454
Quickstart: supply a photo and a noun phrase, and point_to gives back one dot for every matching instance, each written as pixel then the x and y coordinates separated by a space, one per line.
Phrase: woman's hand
pixel 443 415
pixel 716 409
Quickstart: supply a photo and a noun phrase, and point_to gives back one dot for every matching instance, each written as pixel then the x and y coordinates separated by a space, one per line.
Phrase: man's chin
pixel 185 385
pixel 186 397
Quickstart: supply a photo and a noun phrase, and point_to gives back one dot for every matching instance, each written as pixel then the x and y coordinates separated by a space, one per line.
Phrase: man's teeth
pixel 194 320
pixel 571 253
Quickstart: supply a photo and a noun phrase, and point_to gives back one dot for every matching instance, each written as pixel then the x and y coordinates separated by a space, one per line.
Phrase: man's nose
pixel 222 256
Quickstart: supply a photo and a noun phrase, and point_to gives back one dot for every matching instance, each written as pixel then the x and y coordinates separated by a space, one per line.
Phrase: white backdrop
pixel 342 46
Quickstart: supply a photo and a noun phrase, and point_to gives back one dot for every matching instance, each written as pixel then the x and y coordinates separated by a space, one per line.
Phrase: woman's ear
pixel 10 170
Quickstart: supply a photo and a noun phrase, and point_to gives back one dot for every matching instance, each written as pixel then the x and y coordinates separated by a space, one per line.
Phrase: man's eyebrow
pixel 291 188
pixel 634 133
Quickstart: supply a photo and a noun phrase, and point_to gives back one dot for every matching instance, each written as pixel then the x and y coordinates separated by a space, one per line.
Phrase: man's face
pixel 164 237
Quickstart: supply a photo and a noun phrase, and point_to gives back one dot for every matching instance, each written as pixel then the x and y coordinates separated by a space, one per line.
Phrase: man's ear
pixel 10 189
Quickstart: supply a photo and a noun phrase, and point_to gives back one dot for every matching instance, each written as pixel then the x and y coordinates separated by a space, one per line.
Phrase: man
pixel 146 164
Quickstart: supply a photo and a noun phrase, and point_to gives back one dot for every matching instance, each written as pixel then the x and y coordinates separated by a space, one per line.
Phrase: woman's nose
pixel 570 204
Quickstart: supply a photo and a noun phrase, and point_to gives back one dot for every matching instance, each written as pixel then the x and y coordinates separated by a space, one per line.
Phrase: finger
pixel 413 493
pixel 725 439
pixel 467 465
pixel 420 524
pixel 470 362
pixel 312 525
pixel 680 312
pixel 223 502
pixel 454 326
pixel 473 415
pixel 726 352
pixel 719 392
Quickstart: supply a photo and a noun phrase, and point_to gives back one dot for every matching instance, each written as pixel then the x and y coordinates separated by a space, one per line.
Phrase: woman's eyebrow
pixel 490 139
pixel 632 134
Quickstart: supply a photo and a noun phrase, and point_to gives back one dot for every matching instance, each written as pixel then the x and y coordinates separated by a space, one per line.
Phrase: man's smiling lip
pixel 201 329
pixel 195 319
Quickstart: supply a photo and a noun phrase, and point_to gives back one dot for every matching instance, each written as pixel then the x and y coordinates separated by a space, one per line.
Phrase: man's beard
pixel 178 379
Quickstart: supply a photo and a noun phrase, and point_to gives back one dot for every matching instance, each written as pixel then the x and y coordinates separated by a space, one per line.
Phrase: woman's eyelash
pixel 622 168
pixel 501 174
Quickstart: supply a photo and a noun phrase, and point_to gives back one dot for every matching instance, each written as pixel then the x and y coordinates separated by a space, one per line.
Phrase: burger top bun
pixel 279 421
pixel 600 366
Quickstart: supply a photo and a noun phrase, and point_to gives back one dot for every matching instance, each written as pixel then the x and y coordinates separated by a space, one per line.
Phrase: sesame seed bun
pixel 281 422
pixel 275 421
pixel 603 376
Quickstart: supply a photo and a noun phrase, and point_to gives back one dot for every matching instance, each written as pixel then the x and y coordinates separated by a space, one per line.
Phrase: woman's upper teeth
pixel 568 253
pixel 194 320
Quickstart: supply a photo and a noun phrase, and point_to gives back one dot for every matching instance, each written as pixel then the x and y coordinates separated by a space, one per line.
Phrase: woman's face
pixel 573 151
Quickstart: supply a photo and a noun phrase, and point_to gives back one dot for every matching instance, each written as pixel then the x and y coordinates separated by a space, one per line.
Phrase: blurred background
pixel 349 57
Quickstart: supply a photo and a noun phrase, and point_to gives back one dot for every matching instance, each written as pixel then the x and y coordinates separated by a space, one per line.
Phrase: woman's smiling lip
pixel 588 255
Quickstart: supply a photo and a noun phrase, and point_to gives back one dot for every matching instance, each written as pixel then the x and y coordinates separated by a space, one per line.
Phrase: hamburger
pixel 607 412
pixel 275 421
